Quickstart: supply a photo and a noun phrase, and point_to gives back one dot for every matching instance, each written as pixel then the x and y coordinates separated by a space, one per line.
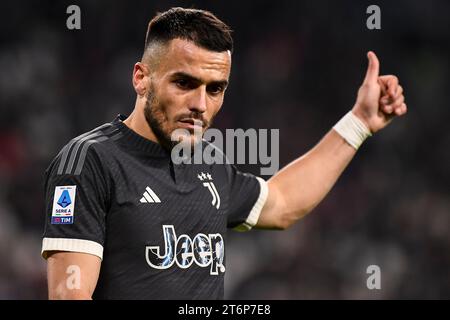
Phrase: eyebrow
pixel 189 77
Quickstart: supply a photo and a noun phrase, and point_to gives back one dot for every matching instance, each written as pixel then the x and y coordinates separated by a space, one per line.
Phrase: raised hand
pixel 380 98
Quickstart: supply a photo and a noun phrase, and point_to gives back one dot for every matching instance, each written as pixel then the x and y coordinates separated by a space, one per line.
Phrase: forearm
pixel 305 182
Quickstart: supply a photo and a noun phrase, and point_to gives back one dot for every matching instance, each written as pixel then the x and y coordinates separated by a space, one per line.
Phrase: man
pixel 125 222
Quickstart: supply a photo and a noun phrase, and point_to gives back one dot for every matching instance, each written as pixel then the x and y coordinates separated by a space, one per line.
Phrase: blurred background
pixel 297 66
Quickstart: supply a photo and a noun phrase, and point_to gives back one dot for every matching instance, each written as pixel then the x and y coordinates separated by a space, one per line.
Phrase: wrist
pixel 362 117
pixel 354 130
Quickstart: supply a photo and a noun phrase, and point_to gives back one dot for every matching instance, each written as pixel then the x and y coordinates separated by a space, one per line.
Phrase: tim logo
pixel 204 250
pixel 211 187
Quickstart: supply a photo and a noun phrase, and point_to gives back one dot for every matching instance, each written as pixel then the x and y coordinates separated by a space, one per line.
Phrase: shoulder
pixel 89 148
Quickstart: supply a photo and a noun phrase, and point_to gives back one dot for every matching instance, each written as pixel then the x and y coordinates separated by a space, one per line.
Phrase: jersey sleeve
pixel 248 195
pixel 75 206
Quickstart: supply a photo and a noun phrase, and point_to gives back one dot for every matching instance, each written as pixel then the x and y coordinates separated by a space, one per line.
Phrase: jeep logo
pixel 204 250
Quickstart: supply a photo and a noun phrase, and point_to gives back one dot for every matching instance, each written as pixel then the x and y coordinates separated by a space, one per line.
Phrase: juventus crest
pixel 208 183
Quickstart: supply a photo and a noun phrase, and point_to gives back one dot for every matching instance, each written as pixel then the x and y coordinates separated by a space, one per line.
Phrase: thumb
pixel 373 69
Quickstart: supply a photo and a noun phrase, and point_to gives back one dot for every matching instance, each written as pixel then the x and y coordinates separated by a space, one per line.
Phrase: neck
pixel 136 122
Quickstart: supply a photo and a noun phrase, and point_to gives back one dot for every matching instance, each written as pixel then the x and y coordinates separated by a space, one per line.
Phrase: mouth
pixel 191 123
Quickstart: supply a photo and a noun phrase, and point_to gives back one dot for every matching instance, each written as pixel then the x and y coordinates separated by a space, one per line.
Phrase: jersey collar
pixel 138 141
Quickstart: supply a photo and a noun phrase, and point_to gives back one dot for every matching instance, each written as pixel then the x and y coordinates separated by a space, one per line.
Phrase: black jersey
pixel 158 227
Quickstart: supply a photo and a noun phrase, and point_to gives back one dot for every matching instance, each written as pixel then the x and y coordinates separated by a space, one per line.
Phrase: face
pixel 185 90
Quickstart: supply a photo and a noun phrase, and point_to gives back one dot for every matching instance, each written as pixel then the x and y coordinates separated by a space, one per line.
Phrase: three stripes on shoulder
pixel 73 155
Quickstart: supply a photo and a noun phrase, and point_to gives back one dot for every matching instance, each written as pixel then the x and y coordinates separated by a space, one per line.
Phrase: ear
pixel 140 78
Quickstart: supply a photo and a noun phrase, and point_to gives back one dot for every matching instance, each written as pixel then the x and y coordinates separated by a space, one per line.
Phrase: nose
pixel 198 102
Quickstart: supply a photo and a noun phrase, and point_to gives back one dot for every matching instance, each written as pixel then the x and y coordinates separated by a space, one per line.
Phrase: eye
pixel 182 83
pixel 215 89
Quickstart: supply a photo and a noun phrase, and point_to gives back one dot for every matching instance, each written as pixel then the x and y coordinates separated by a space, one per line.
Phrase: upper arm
pixel 255 202
pixel 271 216
pixel 72 275
pixel 74 234
pixel 76 207
pixel 247 196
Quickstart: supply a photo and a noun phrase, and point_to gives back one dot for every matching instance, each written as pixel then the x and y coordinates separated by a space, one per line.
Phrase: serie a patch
pixel 63 204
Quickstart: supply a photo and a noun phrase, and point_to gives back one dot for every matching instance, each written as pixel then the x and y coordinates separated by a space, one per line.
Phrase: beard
pixel 156 116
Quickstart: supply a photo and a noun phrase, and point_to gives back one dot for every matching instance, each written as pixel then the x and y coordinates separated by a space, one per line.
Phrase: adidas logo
pixel 149 196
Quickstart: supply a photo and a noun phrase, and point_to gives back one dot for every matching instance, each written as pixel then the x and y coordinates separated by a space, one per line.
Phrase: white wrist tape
pixel 353 130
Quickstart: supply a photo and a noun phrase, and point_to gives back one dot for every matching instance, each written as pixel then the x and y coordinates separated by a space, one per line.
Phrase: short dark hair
pixel 199 26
